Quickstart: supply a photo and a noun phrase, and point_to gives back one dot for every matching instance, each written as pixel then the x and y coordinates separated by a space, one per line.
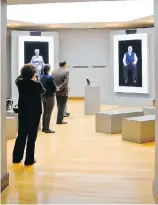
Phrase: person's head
pixel 130 49
pixel 62 64
pixel 37 52
pixel 28 71
pixel 46 68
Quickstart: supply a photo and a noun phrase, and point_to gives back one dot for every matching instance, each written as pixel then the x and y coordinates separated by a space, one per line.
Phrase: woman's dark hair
pixel 62 64
pixel 28 71
pixel 46 68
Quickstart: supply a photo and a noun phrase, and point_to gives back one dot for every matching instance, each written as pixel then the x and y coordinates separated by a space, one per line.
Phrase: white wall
pixel 77 48
pixel 15 55
pixel 3 83
pixel 85 49
pixel 139 99
pixel 96 48
pixel 155 184
pixel 8 84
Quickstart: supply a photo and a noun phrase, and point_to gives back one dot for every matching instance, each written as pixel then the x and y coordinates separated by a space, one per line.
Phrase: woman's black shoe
pixel 16 162
pixel 29 164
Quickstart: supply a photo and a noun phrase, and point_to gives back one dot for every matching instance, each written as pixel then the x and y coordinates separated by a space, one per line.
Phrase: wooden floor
pixel 78 165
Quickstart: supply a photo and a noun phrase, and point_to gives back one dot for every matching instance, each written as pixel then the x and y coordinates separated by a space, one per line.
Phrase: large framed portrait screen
pixel 28 45
pixel 131 63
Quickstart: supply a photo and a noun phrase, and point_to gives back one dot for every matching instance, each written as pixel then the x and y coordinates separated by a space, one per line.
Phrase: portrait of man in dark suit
pixel 130 60
pixel 130 63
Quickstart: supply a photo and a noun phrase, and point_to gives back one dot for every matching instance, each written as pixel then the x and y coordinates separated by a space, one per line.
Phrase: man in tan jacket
pixel 66 114
pixel 61 77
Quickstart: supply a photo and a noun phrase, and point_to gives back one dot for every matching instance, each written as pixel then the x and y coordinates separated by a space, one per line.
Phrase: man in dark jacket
pixel 48 98
pixel 61 77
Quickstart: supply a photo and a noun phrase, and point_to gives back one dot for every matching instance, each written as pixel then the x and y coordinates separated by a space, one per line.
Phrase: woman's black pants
pixel 27 130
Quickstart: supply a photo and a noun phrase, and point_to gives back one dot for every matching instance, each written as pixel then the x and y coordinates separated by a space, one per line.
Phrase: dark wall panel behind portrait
pixel 30 46
pixel 137 48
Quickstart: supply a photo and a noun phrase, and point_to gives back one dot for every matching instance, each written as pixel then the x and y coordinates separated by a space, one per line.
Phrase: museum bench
pixel 11 128
pixel 149 110
pixel 139 129
pixel 11 113
pixel 110 122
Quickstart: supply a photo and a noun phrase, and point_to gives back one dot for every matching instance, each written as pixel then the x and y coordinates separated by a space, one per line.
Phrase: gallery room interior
pixel 107 153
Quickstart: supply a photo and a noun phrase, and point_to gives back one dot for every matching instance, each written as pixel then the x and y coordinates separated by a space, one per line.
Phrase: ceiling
pixel 143 22
pixel 48 1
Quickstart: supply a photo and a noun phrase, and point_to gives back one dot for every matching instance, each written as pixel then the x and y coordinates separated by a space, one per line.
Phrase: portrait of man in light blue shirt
pixel 38 62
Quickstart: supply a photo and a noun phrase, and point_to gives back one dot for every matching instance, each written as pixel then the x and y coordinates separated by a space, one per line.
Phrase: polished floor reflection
pixel 78 165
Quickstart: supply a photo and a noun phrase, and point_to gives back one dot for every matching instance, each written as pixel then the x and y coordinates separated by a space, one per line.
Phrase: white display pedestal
pixel 92 100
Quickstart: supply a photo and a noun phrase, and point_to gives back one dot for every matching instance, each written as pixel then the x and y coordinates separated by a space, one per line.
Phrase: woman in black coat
pixel 29 113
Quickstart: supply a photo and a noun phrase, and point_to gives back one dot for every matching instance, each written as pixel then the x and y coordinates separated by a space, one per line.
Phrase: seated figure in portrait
pixel 130 60
pixel 38 62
